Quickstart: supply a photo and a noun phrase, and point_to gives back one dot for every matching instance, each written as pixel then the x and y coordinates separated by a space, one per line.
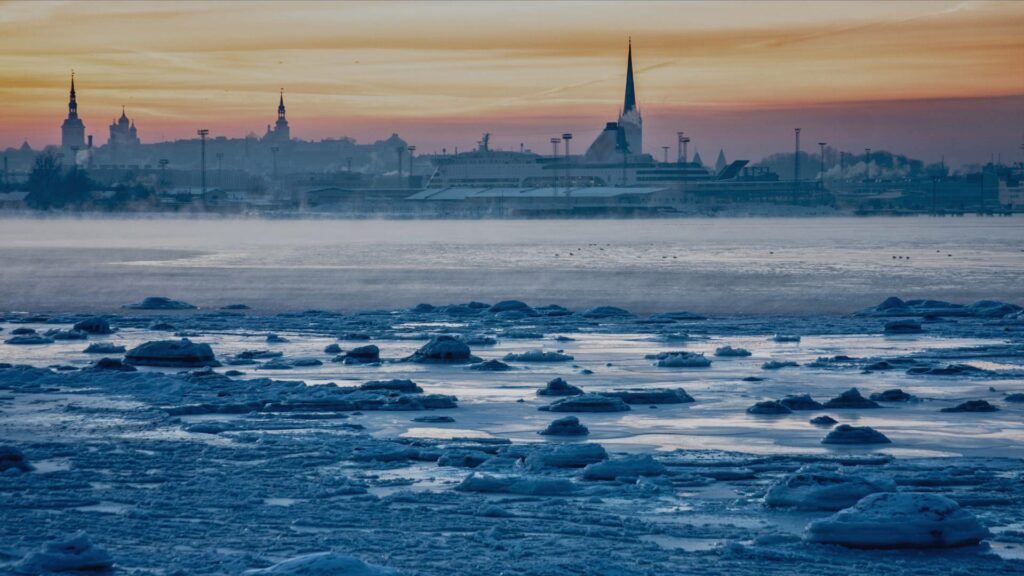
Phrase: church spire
pixel 280 106
pixel 630 102
pixel 72 101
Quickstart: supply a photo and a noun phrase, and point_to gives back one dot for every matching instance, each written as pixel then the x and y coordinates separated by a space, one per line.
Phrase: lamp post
pixel 554 154
pixel 203 133
pixel 567 137
pixel 679 147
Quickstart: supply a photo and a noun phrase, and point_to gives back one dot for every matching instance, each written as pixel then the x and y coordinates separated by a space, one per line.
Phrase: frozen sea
pixel 712 266
pixel 280 460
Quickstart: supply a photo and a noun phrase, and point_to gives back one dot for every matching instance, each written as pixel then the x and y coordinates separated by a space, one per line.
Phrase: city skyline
pixel 738 81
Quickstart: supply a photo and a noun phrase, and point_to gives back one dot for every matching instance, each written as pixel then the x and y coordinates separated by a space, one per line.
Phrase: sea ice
pixel 368 354
pixel 565 456
pixel 29 340
pixel 404 386
pixel 683 360
pixel 777 364
pixel 893 395
pixel 899 520
pixel 823 420
pixel 491 365
pixel 443 349
pixel 323 564
pixel 626 467
pixel 103 348
pixel 587 403
pixel 800 402
pixel 786 338
pixel 521 485
pixel 652 395
pixel 12 458
pixel 846 434
pixel 769 407
pixel 95 325
pixel 512 306
pixel 905 326
pixel 183 353
pixel 76 554
pixel 607 312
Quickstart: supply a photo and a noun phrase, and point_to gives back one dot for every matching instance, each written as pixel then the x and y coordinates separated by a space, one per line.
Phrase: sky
pixel 929 79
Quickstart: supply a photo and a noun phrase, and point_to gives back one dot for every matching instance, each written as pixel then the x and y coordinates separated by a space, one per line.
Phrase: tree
pixel 44 182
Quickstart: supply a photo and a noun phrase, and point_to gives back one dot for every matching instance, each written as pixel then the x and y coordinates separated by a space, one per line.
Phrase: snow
pixel 568 426
pixel 899 520
pixel 565 456
pixel 323 564
pixel 824 488
pixel 846 434
pixel 179 353
pixel 587 403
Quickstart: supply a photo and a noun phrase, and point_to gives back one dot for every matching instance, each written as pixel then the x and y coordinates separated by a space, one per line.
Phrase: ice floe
pixel 846 434
pixel 568 426
pixel 159 303
pixel 587 403
pixel 824 488
pixel 178 353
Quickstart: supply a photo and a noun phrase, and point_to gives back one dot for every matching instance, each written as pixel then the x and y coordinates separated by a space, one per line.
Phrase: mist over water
pixel 712 266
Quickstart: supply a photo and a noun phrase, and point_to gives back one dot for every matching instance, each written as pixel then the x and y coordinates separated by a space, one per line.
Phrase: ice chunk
pixel 800 402
pixel 786 338
pixel 683 360
pixel 893 395
pixel 115 364
pixel 893 306
pixel 491 365
pixel 1015 397
pixel 568 426
pixel 67 334
pixel 434 419
pixel 103 348
pixel 537 356
pixel 846 434
pixel 823 420
pixel 184 353
pixel 851 399
pixel 812 488
pixel 406 386
pixel 587 403
pixel 971 406
pixel 95 325
pixel 949 370
pixel 443 349
pixel 332 349
pixel 903 327
pixel 777 364
pixel 512 306
pixel 899 520
pixel 729 351
pixel 462 458
pixel 559 387
pixel 75 554
pixel 323 564
pixel 607 312
pixel 769 407
pixel 627 467
pixel 565 456
pixel 29 340
pixel 160 303
pixel 522 485
pixel 652 395
pixel 361 355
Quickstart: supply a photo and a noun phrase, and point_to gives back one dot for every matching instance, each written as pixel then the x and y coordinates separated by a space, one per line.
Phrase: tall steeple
pixel 280 106
pixel 630 102
pixel 72 102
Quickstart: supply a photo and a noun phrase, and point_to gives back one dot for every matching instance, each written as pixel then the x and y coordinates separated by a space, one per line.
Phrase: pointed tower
pixel 696 157
pixel 630 120
pixel 72 132
pixel 720 164
pixel 281 132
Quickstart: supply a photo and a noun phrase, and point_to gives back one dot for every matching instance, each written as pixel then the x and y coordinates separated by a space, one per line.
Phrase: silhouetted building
pixel 123 133
pixel 72 132
pixel 280 133
pixel 625 137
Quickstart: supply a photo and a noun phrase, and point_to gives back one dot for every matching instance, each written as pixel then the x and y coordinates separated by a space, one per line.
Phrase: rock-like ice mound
pixel 893 306
pixel 491 365
pixel 103 348
pixel 682 360
pixel 823 420
pixel 94 326
pixel 404 386
pixel 893 395
pixel 652 395
pixel 587 403
pixel 368 354
pixel 29 340
pixel 565 456
pixel 559 387
pixel 1015 397
pixel 323 564
pixel 627 467
pixel 851 399
pixel 778 364
pixel 895 520
pixel 160 303
pixel 769 407
pixel 512 306
pixel 115 364
pixel 568 426
pixel 972 406
pixel 846 434
pixel 76 554
pixel 905 326
pixel 786 338
pixel 444 349
pixel 948 370
pixel 521 485
pixel 175 353
pixel 729 351
pixel 812 488
pixel 537 356
pixel 607 312
pixel 800 402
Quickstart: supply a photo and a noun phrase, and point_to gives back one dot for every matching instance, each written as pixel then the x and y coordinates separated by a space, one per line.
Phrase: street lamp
pixel 203 133
pixel 567 137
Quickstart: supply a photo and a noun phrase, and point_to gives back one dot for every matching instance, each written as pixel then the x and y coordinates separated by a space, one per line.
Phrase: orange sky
pixel 439 73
